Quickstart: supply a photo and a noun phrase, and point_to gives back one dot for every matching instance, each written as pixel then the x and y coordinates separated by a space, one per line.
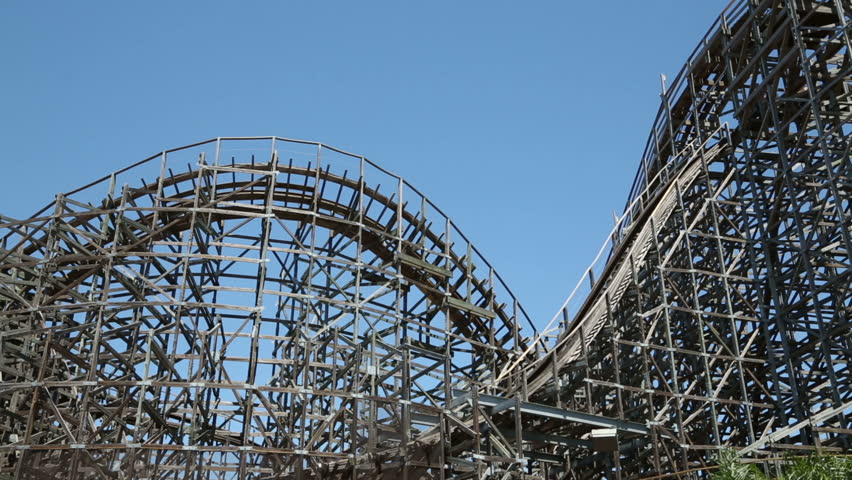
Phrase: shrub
pixel 816 467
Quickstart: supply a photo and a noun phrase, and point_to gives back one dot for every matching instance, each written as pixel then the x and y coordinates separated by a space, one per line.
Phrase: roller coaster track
pixel 269 308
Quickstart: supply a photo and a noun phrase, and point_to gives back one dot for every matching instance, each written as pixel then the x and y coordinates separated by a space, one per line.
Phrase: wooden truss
pixel 264 308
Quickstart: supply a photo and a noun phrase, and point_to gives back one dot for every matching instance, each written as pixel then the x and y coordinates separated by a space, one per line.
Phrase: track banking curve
pixel 282 309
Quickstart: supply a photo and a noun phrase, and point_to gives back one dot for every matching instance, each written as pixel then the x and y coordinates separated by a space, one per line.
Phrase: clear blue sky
pixel 523 121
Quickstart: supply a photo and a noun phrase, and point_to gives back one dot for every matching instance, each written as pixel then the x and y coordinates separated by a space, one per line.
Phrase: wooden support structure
pixel 267 308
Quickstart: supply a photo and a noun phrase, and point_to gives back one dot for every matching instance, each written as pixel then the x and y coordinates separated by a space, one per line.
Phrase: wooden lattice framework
pixel 271 308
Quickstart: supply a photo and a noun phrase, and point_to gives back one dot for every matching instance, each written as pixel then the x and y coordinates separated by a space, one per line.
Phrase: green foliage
pixel 730 468
pixel 806 468
pixel 819 468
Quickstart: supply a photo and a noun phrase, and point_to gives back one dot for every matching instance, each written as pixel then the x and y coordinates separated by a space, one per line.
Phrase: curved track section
pixel 721 317
pixel 274 309
pixel 281 309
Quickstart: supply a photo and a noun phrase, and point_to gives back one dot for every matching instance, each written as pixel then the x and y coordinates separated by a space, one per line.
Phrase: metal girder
pixel 499 404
